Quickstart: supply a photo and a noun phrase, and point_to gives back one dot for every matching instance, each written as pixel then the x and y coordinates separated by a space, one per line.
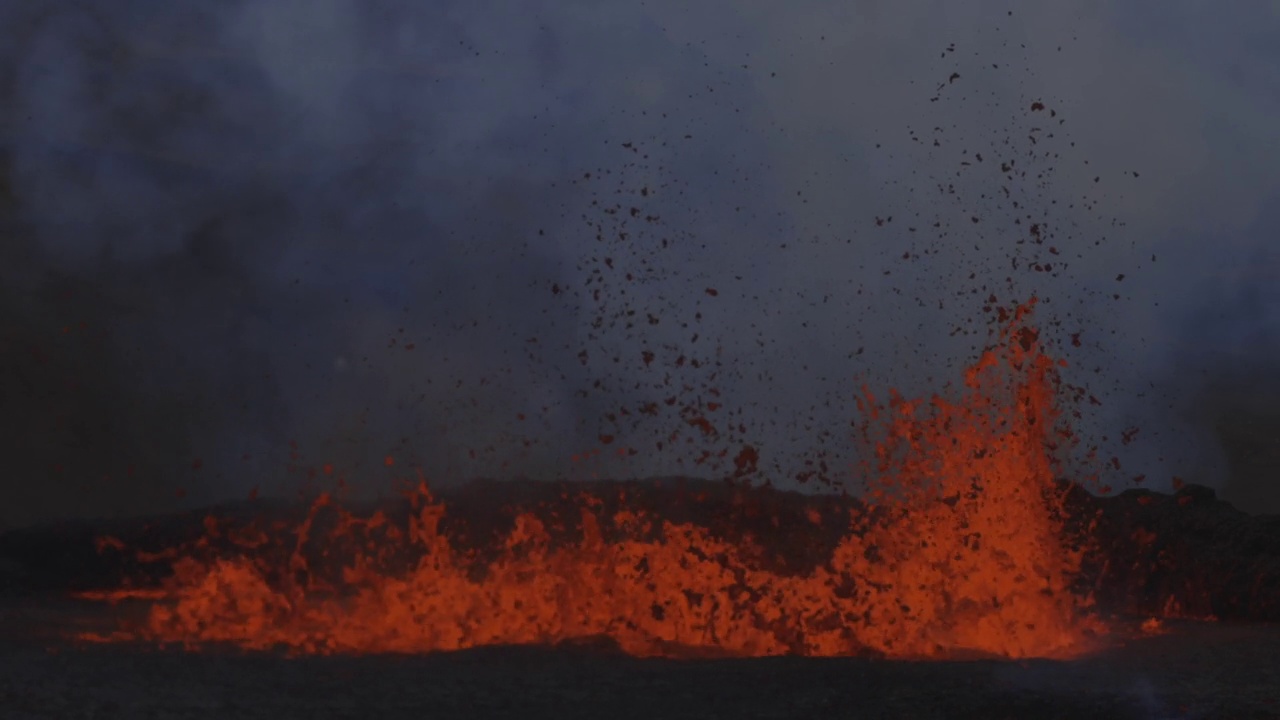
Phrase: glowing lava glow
pixel 961 552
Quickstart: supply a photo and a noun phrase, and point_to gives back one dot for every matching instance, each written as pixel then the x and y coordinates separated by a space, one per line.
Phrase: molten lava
pixel 961 550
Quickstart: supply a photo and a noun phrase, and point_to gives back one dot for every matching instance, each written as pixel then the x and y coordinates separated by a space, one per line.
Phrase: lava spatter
pixel 959 551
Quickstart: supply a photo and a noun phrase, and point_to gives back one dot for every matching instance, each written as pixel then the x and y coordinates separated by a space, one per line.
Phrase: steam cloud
pixel 239 237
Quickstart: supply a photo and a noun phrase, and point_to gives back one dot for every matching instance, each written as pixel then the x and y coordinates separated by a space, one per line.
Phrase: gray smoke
pixel 243 241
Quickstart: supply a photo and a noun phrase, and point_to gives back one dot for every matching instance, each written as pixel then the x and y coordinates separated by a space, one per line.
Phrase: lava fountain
pixel 958 549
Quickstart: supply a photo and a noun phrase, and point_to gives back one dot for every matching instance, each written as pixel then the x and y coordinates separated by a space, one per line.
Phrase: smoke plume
pixel 266 243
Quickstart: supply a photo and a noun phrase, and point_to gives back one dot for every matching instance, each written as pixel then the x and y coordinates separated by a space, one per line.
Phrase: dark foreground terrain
pixel 1186 554
pixel 1198 670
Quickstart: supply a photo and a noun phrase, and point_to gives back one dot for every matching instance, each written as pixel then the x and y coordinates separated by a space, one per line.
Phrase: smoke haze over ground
pixel 238 238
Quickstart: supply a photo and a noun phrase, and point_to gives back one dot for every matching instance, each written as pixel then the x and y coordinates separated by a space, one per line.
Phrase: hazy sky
pixel 481 237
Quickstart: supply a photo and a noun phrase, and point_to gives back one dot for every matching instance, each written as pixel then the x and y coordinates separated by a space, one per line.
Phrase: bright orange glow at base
pixel 959 552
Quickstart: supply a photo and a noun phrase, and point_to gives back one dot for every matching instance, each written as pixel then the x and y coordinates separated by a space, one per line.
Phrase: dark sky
pixel 241 241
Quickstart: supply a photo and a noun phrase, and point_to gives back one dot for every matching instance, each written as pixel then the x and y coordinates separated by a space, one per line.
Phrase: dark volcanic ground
pixel 1207 555
pixel 1200 670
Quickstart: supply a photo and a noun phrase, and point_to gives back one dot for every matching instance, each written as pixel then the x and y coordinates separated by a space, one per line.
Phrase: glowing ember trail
pixel 961 552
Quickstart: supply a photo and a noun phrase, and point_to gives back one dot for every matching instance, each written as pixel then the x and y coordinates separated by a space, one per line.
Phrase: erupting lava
pixel 961 550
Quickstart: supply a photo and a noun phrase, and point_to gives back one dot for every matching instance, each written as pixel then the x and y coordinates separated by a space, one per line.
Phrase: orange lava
pixel 961 553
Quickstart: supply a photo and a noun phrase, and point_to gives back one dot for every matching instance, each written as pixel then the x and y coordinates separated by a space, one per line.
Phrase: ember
pixel 960 550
